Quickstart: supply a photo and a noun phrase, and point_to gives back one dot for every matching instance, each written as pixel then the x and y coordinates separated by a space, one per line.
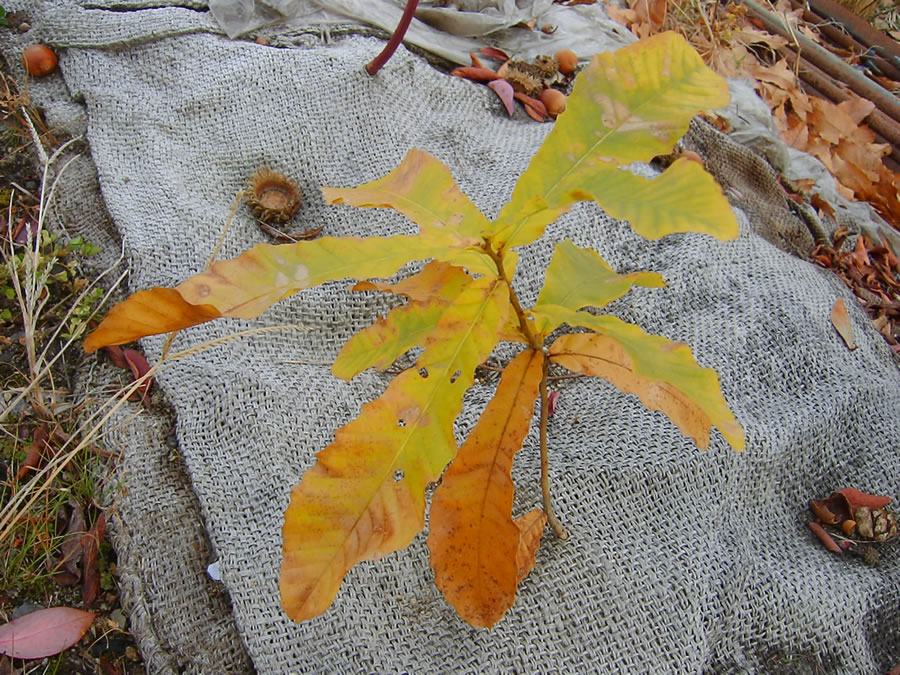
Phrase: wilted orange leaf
pixel 157 310
pixel 531 527
pixel 841 322
pixel 473 539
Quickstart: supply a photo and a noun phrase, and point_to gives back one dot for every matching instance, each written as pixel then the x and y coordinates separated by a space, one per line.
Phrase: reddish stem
pixel 375 64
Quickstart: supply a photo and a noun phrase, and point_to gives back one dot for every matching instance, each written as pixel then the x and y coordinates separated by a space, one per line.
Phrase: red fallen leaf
pixel 495 53
pixel 45 632
pixel 477 74
pixel 536 109
pixel 35 453
pixel 476 62
pixel 857 499
pixel 66 578
pixel 90 542
pixel 841 322
pixel 824 537
pixel 139 367
pixel 504 90
pixel 116 356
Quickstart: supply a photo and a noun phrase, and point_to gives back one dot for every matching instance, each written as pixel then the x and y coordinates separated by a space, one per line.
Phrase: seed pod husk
pixel 273 197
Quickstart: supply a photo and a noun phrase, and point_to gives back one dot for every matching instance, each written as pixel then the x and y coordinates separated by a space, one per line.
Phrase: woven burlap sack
pixel 678 560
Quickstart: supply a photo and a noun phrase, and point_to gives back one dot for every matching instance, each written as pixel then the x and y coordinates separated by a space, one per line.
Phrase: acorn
pixel 38 60
pixel 273 197
pixel 567 60
pixel 554 100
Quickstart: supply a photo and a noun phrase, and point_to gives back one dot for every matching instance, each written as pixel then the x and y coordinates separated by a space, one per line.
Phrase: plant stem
pixel 375 64
pixel 537 344
pixel 545 459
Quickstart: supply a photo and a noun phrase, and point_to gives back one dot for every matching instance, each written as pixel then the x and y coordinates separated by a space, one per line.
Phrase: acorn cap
pixel 273 197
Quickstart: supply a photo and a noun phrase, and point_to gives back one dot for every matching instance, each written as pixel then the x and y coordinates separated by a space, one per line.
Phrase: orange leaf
pixel 856 498
pixel 531 527
pixel 158 310
pixel 822 206
pixel 365 496
pixel 473 539
pixel 841 321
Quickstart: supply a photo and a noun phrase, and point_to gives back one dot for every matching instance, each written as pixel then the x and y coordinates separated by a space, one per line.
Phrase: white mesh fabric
pixel 678 560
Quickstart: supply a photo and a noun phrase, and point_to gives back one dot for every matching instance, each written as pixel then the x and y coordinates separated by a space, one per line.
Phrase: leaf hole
pixel 423 372
pixel 401 423
pixel 455 376
pixel 398 475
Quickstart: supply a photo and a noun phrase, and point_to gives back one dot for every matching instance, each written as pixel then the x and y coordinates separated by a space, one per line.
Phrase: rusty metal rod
pixel 858 28
pixel 836 33
pixel 881 97
pixel 880 123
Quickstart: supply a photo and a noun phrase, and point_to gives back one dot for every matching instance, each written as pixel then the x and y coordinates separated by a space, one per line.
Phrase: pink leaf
pixel 504 90
pixel 551 402
pixel 44 633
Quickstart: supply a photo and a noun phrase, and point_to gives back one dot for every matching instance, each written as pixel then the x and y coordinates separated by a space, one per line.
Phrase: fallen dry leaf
pixel 825 538
pixel 504 91
pixel 44 633
pixel 90 579
pixel 473 73
pixel 841 322
pixel 139 366
pixel 37 450
pixel 71 549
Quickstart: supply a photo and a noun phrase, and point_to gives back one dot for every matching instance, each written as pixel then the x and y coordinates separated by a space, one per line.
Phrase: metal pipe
pixel 880 123
pixel 820 57
pixel 836 32
pixel 858 28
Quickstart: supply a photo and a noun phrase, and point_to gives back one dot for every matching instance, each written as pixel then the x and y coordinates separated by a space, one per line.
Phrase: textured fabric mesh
pixel 679 560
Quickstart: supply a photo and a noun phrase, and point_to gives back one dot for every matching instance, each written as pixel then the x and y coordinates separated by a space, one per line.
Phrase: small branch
pixel 533 340
pixel 375 64
pixel 545 460
pixel 536 343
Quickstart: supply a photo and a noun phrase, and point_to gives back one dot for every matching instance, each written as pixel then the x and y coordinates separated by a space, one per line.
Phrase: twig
pixel 545 459
pixel 375 64
pixel 218 247
pixel 536 343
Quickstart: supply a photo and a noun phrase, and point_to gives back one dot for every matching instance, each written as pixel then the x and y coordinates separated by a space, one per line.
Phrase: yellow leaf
pixel 662 373
pixel 364 497
pixel 531 527
pixel 431 292
pixel 628 105
pixel 436 280
pixel 246 286
pixel 580 277
pixel 684 198
pixel 473 539
pixel 423 189
pixel 158 310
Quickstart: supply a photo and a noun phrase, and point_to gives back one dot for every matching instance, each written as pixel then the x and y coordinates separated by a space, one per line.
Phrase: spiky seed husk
pixel 273 197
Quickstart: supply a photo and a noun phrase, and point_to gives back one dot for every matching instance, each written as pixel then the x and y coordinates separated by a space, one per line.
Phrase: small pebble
pixel 24 27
